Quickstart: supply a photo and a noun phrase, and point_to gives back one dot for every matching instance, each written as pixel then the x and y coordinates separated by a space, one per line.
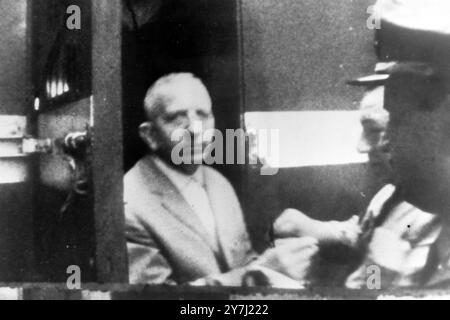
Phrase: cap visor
pixel 371 80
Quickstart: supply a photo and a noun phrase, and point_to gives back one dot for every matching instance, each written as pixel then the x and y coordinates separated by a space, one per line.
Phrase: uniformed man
pixel 415 37
pixel 407 227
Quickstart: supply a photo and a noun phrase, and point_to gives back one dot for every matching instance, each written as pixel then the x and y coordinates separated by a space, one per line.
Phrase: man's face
pixel 188 107
pixel 418 131
pixel 374 120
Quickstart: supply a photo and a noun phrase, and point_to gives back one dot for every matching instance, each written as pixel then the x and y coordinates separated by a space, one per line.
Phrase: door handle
pixel 74 144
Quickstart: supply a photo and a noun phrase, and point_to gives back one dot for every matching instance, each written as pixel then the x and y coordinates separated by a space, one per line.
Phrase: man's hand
pixel 294 223
pixel 345 232
pixel 291 257
pixel 290 224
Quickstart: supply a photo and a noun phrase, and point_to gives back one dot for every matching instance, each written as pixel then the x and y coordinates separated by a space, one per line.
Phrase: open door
pixel 76 120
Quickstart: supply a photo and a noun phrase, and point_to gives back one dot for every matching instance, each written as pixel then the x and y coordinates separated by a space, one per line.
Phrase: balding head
pixel 171 87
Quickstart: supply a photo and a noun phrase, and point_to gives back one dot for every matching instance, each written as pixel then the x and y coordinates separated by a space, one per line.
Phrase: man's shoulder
pixel 144 166
pixel 212 172
pixel 142 176
pixel 142 195
pixel 214 175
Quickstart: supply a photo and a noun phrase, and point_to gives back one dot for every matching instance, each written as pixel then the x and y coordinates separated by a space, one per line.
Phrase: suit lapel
pixel 173 201
pixel 225 224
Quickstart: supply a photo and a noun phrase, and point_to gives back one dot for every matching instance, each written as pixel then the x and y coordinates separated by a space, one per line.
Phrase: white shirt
pixel 400 245
pixel 193 191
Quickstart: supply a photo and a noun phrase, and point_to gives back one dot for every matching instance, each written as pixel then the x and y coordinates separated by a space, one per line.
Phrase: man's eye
pixel 172 117
pixel 203 114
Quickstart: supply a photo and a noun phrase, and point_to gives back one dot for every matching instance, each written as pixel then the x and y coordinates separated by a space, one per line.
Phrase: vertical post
pixel 107 166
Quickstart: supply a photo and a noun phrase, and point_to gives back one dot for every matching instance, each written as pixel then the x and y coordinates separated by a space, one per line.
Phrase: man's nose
pixel 194 125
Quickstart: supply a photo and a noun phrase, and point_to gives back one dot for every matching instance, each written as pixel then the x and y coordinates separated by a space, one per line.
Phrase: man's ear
pixel 147 134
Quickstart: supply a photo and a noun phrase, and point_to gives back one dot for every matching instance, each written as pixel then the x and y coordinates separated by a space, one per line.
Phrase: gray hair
pixel 162 91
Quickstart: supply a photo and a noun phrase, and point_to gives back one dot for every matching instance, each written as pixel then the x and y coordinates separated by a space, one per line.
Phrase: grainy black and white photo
pixel 224 149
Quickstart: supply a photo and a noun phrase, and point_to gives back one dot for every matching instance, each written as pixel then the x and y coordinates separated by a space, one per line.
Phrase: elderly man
pixel 183 220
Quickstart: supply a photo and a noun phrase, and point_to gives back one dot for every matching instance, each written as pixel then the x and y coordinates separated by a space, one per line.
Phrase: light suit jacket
pixel 167 242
